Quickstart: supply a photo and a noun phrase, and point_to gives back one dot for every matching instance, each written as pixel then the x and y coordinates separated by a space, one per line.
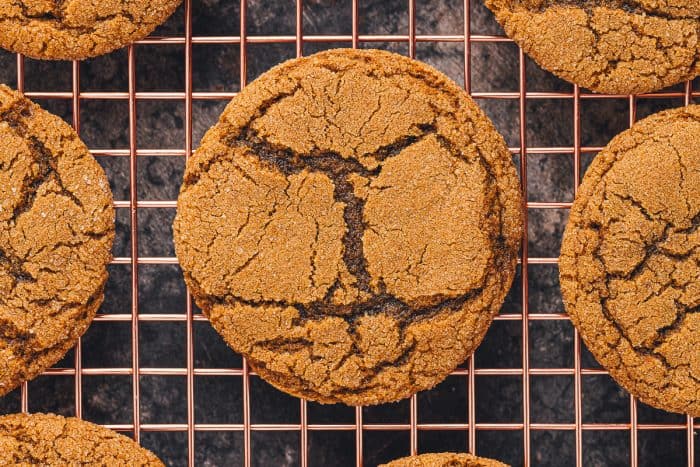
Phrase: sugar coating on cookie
pixel 444 459
pixel 46 439
pixel 609 46
pixel 351 225
pixel 630 260
pixel 56 234
pixel 78 29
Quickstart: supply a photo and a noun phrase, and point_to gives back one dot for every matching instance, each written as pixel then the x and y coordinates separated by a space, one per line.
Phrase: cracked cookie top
pixel 56 233
pixel 351 225
pixel 630 260
pixel 444 459
pixel 78 29
pixel 609 46
pixel 46 439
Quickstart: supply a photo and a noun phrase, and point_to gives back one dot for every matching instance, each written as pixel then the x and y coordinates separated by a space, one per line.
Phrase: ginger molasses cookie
pixel 56 233
pixel 444 459
pixel 610 46
pixel 351 225
pixel 630 260
pixel 46 439
pixel 78 29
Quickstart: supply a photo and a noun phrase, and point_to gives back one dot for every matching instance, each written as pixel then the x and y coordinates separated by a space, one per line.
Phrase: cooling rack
pixel 531 430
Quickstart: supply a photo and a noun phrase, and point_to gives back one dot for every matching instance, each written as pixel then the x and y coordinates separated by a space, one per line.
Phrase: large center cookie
pixel 78 29
pixel 444 459
pixel 611 46
pixel 56 233
pixel 630 260
pixel 45 439
pixel 351 225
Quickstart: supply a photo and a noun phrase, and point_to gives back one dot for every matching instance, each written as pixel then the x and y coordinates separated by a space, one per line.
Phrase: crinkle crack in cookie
pixel 56 233
pixel 444 459
pixel 630 260
pixel 351 225
pixel 78 29
pixel 609 46
pixel 45 439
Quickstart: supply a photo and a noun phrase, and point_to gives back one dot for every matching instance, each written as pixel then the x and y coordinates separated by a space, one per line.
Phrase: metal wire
pixel 470 429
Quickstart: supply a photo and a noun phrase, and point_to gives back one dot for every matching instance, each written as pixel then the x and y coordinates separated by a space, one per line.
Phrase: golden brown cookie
pixel 78 29
pixel 351 225
pixel 56 233
pixel 609 46
pixel 444 459
pixel 630 260
pixel 46 439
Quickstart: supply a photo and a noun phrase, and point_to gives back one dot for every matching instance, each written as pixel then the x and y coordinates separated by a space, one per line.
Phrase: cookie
pixel 630 260
pixel 351 225
pixel 78 29
pixel 444 459
pixel 56 234
pixel 46 439
pixel 608 46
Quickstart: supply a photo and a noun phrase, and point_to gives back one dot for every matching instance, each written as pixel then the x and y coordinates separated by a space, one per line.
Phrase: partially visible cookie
pixel 46 439
pixel 609 46
pixel 78 29
pixel 630 260
pixel 56 233
pixel 444 459
pixel 351 225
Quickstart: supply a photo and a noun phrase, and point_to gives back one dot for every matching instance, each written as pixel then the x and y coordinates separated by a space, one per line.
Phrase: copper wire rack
pixel 359 428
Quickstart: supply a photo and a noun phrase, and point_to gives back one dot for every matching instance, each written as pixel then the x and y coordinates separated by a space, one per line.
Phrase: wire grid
pixel 470 429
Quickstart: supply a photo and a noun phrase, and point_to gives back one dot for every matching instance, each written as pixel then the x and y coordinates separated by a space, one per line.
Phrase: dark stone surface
pixel 161 124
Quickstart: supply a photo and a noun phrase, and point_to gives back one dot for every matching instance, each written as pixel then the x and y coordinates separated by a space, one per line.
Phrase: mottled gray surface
pixel 104 124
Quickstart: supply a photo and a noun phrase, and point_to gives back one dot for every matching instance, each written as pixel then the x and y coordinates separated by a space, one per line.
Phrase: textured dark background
pixel 104 125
